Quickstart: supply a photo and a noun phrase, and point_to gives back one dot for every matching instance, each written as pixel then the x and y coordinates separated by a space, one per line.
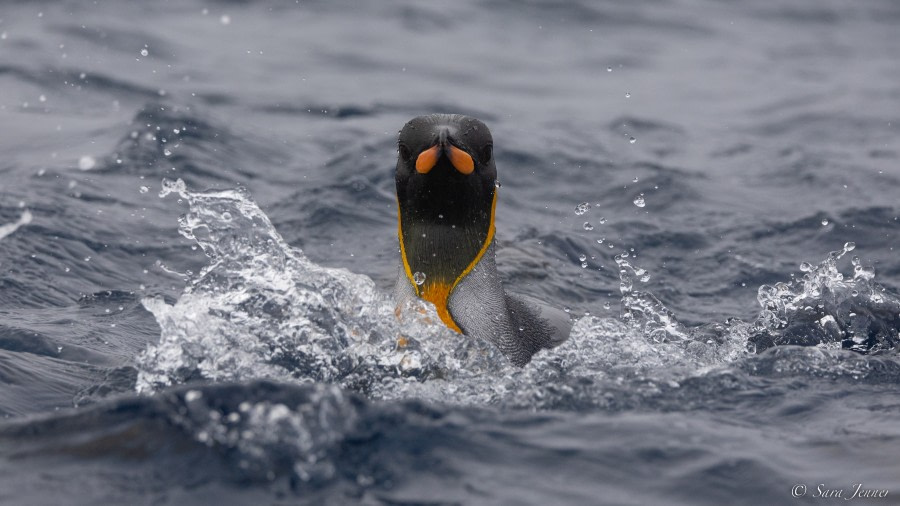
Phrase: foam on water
pixel 9 228
pixel 297 430
pixel 261 309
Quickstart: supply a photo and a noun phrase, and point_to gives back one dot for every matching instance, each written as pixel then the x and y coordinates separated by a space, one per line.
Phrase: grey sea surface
pixel 198 240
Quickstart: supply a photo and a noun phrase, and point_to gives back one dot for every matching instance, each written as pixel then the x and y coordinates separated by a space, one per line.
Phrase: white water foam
pixel 9 228
pixel 261 309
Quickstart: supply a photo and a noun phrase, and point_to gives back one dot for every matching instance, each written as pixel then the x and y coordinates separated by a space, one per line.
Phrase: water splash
pixel 825 308
pixel 643 309
pixel 261 309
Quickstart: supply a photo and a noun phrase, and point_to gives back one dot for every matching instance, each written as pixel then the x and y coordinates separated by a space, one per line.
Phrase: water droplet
pixel 850 246
pixel 632 140
pixel 639 201
pixel 825 223
pixel 582 208
pixel 86 162
pixel 419 278
pixel 225 19
pixel 497 184
pixel 606 305
pixel 602 220
pixel 854 293
pixel 566 309
pixel 635 180
pixel 582 257
pixel 145 189
pixel 627 95
pixel 806 267
pixel 584 265
pixel 144 52
pixel 226 216
pixel 587 226
pixel 600 240
pixel 167 152
pixel 609 69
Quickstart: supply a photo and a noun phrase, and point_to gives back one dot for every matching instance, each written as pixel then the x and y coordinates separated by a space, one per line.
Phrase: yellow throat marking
pixel 439 293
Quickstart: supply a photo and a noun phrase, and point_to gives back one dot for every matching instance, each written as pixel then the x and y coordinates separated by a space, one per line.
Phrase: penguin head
pixel 446 196
pixel 445 167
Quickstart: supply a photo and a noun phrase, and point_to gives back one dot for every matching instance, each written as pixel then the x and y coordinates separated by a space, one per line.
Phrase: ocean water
pixel 198 241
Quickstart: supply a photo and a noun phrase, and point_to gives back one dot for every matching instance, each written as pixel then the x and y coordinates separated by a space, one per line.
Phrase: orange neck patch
pixel 438 294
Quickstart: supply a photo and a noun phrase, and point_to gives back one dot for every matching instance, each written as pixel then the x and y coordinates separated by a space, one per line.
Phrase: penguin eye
pixel 404 153
pixel 486 153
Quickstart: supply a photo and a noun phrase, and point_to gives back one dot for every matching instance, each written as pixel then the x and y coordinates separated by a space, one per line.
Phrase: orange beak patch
pixel 427 159
pixel 460 159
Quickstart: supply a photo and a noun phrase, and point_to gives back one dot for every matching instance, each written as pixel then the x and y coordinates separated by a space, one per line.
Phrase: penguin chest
pixel 436 260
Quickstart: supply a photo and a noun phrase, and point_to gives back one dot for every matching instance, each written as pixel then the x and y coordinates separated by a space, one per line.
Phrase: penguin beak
pixel 427 159
pixel 460 160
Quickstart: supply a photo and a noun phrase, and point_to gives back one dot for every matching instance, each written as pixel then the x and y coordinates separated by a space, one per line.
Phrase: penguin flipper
pixel 519 326
pixel 551 326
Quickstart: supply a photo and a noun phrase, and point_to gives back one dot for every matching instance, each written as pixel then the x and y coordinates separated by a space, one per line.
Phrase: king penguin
pixel 446 195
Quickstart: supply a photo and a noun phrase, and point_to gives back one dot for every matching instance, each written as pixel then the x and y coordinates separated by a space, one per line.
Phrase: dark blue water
pixel 198 240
